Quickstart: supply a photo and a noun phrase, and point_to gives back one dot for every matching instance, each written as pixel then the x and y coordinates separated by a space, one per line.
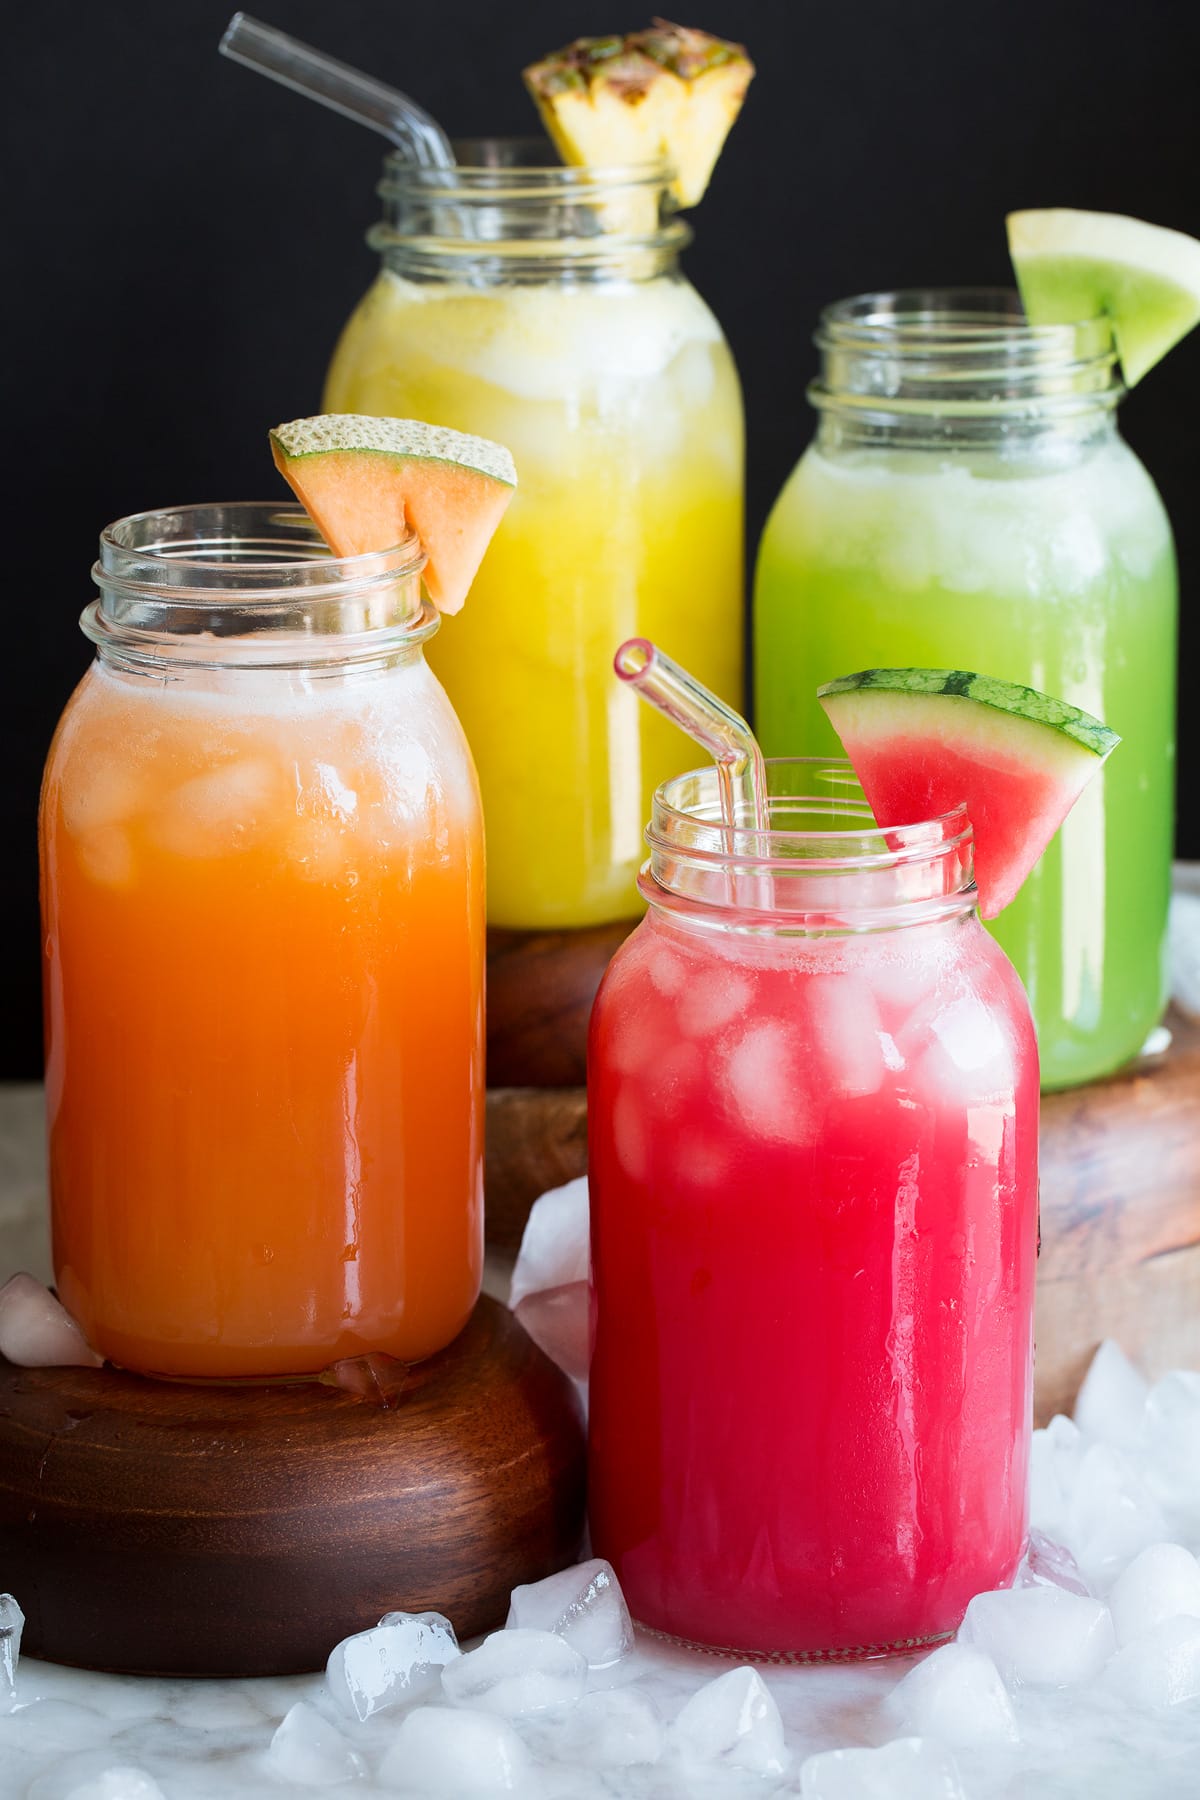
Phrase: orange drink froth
pixel 263 900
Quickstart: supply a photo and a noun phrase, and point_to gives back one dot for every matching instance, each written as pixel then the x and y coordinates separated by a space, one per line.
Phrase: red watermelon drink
pixel 813 1156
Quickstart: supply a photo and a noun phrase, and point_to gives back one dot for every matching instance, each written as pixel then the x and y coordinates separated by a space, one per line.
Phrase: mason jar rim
pixel 955 319
pixel 706 838
pixel 250 584
pixel 150 554
pixel 960 352
pixel 483 171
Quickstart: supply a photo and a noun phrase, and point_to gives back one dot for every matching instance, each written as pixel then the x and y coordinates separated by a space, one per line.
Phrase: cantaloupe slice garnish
pixel 366 482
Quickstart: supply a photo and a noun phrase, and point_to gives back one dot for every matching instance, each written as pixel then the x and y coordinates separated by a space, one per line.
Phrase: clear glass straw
pixel 348 91
pixel 741 772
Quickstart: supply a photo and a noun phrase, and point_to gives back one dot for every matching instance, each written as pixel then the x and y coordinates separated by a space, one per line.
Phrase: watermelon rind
pixel 1072 265
pixel 1021 703
pixel 347 433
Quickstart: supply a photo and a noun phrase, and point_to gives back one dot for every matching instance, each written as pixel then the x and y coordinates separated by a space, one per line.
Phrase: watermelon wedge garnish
pixel 1074 265
pixel 365 482
pixel 923 741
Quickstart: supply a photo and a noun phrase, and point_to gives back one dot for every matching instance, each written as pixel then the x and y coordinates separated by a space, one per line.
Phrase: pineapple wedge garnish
pixel 669 91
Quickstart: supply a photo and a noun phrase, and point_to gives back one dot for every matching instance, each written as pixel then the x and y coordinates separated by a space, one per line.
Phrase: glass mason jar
pixel 813 1117
pixel 968 503
pixel 544 307
pixel 263 907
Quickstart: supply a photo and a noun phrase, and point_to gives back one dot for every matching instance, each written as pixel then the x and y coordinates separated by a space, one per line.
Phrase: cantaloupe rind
pixel 366 482
pixel 409 438
pixel 1072 265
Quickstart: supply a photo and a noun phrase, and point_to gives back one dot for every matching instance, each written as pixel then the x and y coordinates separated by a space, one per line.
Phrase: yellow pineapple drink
pixel 544 306
pixel 619 399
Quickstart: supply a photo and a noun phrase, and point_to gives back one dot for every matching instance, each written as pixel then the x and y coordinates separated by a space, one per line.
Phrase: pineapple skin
pixel 668 91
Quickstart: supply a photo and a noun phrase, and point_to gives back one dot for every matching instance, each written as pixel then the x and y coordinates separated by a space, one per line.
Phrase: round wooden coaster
pixel 156 1528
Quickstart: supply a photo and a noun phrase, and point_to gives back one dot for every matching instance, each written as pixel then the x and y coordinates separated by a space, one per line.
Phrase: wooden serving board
pixel 168 1529
pixel 1120 1206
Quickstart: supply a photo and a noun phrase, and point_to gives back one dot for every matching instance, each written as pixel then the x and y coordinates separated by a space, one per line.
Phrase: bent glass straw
pixel 348 91
pixel 741 772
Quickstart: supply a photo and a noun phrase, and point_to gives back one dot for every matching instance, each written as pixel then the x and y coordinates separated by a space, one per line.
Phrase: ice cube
pixel 1183 949
pixel 969 1054
pixel 12 1623
pixel 308 1750
pixel 103 795
pixel 616 1728
pixel 1040 1635
pixel 1055 1456
pixel 401 1659
pixel 712 1001
pixel 106 856
pixel 1112 1513
pixel 554 1246
pixel 763 1087
pixel 1160 1668
pixel 517 1671
pixel 956 1696
pixel 376 1377
pixel 95 1776
pixel 629 1134
pixel 844 1020
pixel 1047 1564
pixel 53 1727
pixel 907 1769
pixel 1160 1583
pixel 549 1292
pixel 559 1322
pixel 1171 1440
pixel 1112 1398
pixel 583 1605
pixel 37 1331
pixel 732 1721
pixel 459 1754
pixel 221 811
pixel 667 972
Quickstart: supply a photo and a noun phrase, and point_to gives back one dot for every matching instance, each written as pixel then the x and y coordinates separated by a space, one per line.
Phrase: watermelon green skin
pixel 923 741
pixel 1072 266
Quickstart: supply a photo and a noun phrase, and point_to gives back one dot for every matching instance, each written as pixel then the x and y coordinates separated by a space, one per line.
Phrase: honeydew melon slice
pixel 1076 265
pixel 365 482
pixel 923 741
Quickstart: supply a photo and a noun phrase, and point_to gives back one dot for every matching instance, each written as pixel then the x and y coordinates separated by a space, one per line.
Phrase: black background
pixel 184 240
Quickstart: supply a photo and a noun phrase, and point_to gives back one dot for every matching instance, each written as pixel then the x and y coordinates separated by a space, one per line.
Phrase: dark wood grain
pixel 1120 1164
pixel 159 1528
pixel 541 985
pixel 1121 1219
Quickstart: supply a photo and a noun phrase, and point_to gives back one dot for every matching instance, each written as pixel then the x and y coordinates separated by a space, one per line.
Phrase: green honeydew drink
pixel 969 503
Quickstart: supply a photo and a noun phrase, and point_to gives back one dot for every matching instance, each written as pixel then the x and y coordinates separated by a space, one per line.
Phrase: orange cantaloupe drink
pixel 264 996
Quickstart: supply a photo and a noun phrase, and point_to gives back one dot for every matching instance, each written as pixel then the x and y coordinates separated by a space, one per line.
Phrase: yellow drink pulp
pixel 621 405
